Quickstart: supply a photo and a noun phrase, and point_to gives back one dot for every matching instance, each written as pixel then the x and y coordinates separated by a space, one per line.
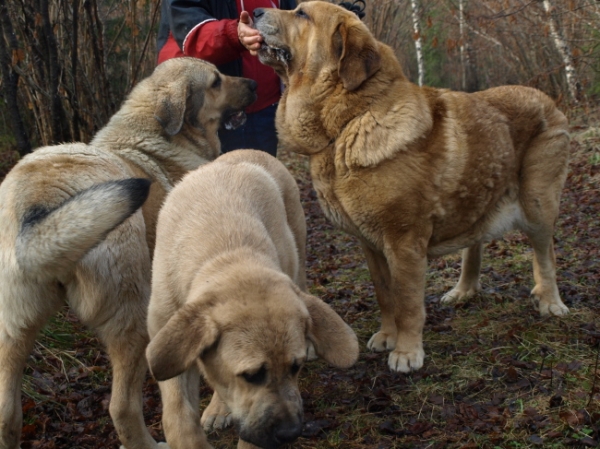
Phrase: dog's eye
pixel 217 82
pixel 301 13
pixel 295 368
pixel 257 377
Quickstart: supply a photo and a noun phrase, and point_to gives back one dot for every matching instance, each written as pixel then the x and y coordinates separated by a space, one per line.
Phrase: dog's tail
pixel 52 241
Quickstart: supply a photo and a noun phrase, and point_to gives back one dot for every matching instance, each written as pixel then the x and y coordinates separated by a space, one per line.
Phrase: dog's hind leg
pixel 543 176
pixel 545 294
pixel 13 355
pixel 110 295
pixel 126 352
pixel 468 283
pixel 125 337
pixel 20 322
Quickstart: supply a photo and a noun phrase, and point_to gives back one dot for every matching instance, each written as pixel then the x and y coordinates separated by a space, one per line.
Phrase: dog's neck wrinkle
pixel 196 145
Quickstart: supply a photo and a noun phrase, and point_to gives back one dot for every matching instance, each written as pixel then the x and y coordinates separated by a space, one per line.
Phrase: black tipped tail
pixel 52 241
pixel 137 189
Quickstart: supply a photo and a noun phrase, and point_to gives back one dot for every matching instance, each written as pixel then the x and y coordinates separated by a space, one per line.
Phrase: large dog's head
pixel 250 335
pixel 315 37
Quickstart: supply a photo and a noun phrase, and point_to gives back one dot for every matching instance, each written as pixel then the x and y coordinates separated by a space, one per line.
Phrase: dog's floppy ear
pixel 180 342
pixel 172 102
pixel 334 340
pixel 358 54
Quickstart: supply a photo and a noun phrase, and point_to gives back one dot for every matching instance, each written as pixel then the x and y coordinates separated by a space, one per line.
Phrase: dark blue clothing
pixel 262 137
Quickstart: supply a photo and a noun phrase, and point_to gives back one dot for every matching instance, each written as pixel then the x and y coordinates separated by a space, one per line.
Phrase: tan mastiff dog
pixel 229 302
pixel 414 172
pixel 65 236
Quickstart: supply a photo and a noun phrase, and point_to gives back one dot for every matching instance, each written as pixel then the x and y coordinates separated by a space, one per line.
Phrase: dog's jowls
pixel 228 301
pixel 65 235
pixel 414 172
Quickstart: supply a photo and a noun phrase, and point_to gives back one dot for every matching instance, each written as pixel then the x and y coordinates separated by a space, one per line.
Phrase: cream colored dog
pixel 414 172
pixel 65 235
pixel 228 301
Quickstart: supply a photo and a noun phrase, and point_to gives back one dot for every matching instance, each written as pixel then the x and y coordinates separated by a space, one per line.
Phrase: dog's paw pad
pixel 405 362
pixel 381 341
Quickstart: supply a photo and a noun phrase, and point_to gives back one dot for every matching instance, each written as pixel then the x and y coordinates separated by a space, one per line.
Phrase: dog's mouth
pixel 234 119
pixel 274 53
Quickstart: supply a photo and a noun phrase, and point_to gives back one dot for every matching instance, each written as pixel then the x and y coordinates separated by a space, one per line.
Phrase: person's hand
pixel 248 36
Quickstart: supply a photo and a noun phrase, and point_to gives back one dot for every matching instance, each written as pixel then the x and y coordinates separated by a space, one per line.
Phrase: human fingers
pixel 245 18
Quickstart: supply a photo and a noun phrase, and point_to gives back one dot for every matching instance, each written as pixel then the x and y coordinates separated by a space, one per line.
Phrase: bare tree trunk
pixel 10 79
pixel 103 95
pixel 60 132
pixel 463 40
pixel 74 57
pixel 418 41
pixel 563 48
pixel 469 79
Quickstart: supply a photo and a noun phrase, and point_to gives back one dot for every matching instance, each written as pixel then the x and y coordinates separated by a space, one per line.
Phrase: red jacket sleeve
pixel 215 41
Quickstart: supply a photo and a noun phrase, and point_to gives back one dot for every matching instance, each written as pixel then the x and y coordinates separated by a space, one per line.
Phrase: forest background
pixel 496 375
pixel 67 65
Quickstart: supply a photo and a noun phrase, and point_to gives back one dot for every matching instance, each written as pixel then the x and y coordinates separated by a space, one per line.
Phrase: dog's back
pixel 234 202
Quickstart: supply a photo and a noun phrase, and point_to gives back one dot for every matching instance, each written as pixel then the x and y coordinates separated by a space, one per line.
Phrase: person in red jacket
pixel 220 31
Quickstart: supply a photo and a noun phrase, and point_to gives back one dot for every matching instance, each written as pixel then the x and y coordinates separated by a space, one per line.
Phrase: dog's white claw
pixel 216 416
pixel 216 422
pixel 405 362
pixel 459 292
pixel 381 341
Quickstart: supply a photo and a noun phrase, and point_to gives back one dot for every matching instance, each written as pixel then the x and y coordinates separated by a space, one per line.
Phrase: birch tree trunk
pixel 563 49
pixel 469 78
pixel 418 41
pixel 463 40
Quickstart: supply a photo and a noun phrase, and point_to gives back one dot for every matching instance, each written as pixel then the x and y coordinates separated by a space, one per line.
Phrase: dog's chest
pixel 323 174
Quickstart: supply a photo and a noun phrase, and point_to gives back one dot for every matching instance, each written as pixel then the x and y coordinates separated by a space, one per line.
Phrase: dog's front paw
pixel 405 362
pixel 216 416
pixel 459 292
pixel 382 341
pixel 548 303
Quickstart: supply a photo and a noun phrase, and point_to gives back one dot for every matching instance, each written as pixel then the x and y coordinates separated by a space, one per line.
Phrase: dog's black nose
pixel 253 85
pixel 258 12
pixel 287 433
